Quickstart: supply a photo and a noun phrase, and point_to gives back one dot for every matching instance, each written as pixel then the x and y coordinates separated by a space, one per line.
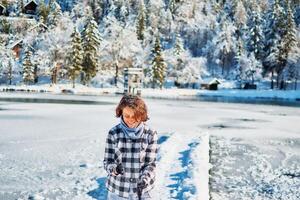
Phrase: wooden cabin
pixel 30 7
pixel 16 47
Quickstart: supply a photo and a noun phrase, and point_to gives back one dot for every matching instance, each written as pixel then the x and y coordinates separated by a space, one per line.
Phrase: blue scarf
pixel 132 133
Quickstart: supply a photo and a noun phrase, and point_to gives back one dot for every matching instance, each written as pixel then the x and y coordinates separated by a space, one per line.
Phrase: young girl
pixel 130 152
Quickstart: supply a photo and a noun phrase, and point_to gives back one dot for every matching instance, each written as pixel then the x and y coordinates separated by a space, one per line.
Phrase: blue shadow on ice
pixel 180 187
pixel 162 139
pixel 99 193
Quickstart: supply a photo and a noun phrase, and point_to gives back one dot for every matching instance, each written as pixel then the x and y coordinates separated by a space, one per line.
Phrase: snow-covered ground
pixel 170 93
pixel 54 149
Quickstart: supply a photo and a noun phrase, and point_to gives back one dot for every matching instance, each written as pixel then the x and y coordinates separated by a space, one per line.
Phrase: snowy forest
pixel 90 42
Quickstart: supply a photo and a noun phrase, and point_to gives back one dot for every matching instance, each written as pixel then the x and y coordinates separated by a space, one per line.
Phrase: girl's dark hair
pixel 134 102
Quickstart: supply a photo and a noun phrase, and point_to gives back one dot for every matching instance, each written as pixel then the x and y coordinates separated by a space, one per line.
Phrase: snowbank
pixel 157 93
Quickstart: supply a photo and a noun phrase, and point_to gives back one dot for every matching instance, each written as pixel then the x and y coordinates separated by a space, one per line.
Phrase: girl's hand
pixel 118 170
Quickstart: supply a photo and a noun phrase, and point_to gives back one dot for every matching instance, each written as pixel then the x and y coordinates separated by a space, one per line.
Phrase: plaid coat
pixel 138 157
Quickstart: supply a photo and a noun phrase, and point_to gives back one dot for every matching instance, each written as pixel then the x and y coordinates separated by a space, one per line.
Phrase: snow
pixel 55 150
pixel 171 93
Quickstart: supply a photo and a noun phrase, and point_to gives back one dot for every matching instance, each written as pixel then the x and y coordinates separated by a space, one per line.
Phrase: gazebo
pixel 133 77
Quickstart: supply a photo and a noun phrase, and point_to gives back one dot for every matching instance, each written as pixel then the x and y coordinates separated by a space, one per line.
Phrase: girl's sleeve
pixel 109 161
pixel 150 159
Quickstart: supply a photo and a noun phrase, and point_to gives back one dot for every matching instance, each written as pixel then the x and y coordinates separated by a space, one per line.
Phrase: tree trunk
pixel 35 74
pixel 272 80
pixel 73 80
pixel 223 65
pixel 116 75
pixel 54 75
pixel 277 80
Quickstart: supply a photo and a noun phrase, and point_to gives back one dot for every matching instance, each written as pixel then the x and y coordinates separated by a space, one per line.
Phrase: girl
pixel 130 152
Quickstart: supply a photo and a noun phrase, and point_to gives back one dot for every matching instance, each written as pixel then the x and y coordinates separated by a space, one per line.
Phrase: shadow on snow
pixel 181 188
pixel 99 193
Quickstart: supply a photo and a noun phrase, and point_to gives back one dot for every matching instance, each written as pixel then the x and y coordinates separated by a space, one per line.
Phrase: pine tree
pixel 274 31
pixel 178 48
pixel 225 45
pixel 55 13
pixel 28 69
pixel 287 43
pixel 158 65
pixel 75 57
pixel 255 44
pixel 20 7
pixel 91 42
pixel 238 67
pixel 141 22
pixel 97 9
pixel 230 8
pixel 10 72
pixel 172 6
pixel 44 11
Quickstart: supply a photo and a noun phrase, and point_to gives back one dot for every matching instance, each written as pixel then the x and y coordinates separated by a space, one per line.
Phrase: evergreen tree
pixel 238 72
pixel 55 13
pixel 10 72
pixel 287 43
pixel 173 7
pixel 28 69
pixel 255 38
pixel 240 16
pixel 225 46
pixel 178 47
pixel 230 8
pixel 274 32
pixel 158 64
pixel 20 7
pixel 141 22
pixel 97 9
pixel 44 11
pixel 91 42
pixel 75 57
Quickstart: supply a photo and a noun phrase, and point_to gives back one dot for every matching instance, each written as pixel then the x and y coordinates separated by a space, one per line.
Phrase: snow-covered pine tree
pixel 28 69
pixel 230 7
pixel 178 47
pixel 274 32
pixel 43 11
pixel 10 72
pixel 240 18
pixel 20 8
pixel 158 64
pixel 253 70
pixel 173 6
pixel 55 13
pixel 141 22
pixel 67 5
pixel 91 42
pixel 287 43
pixel 5 26
pixel 75 56
pixel 238 72
pixel 225 46
pixel 97 9
pixel 122 11
pixel 255 34
pixel 176 59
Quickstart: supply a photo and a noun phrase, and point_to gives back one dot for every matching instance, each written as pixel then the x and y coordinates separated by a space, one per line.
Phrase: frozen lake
pixel 54 150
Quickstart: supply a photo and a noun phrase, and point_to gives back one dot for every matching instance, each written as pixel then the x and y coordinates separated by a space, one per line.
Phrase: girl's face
pixel 129 119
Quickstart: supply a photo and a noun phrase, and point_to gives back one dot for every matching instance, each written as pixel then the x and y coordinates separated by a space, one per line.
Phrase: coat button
pixel 131 180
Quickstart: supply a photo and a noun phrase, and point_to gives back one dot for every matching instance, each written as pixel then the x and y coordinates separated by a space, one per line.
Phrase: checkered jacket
pixel 137 156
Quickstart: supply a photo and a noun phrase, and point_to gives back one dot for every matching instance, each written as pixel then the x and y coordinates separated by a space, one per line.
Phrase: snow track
pixel 179 167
